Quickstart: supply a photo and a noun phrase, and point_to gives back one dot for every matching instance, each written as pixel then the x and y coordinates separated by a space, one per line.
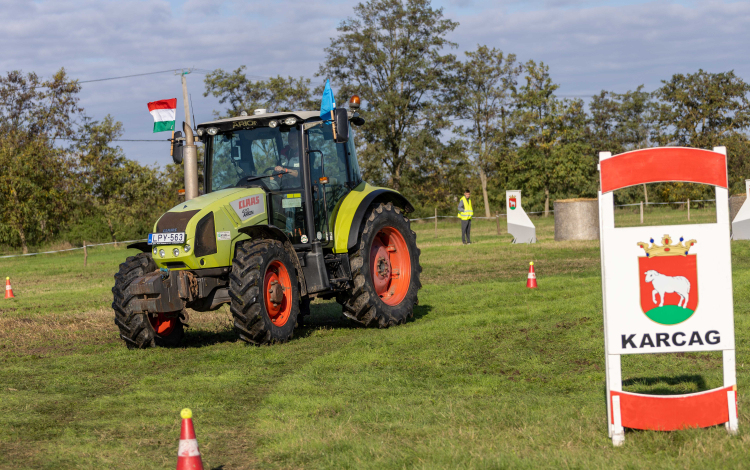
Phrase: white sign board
pixel 741 222
pixel 249 206
pixel 666 289
pixel 519 224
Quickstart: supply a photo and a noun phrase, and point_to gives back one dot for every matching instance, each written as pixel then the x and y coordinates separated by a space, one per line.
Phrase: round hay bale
pixel 735 202
pixel 576 219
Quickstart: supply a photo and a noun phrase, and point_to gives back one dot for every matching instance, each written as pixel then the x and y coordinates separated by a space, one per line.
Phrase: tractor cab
pixel 294 158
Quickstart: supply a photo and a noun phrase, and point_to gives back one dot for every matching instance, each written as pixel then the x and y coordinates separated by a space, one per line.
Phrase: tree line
pixel 436 123
pixel 61 177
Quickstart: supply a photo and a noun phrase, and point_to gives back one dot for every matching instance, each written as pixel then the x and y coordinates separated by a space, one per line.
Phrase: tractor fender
pixel 143 246
pixel 274 233
pixel 379 195
pixel 264 232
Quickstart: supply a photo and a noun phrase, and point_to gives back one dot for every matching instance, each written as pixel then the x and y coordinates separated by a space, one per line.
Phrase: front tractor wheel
pixel 385 270
pixel 264 291
pixel 138 329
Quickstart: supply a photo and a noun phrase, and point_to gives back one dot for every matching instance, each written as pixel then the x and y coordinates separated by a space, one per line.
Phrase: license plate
pixel 174 238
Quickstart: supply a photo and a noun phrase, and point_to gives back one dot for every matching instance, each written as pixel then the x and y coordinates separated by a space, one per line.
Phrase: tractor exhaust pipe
pixel 190 163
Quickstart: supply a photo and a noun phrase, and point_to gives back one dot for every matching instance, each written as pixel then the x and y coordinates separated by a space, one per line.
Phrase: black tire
pixel 135 328
pixel 248 306
pixel 362 303
pixel 304 310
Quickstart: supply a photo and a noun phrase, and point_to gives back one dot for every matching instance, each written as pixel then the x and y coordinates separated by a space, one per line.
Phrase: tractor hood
pixel 233 199
pixel 211 224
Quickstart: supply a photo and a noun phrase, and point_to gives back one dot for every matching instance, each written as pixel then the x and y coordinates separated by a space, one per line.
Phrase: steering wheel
pixel 272 169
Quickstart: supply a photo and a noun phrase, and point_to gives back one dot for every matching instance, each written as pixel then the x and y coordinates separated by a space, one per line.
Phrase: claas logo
pixel 250 201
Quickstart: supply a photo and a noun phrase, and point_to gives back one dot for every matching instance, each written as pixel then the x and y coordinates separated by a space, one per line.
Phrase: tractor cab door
pixel 330 178
pixel 280 153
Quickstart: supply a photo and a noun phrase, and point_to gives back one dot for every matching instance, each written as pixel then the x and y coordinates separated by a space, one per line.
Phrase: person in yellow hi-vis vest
pixel 464 213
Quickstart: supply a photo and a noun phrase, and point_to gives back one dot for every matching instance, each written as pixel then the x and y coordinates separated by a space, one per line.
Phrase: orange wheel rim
pixel 390 265
pixel 277 293
pixel 163 323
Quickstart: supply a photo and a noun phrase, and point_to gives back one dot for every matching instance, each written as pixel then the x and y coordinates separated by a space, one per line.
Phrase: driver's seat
pixel 246 165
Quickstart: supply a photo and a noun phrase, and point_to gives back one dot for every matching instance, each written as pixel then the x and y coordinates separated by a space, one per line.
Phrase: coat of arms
pixel 512 202
pixel 669 281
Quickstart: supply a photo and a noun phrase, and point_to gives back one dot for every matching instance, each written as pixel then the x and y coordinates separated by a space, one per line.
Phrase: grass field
pixel 488 374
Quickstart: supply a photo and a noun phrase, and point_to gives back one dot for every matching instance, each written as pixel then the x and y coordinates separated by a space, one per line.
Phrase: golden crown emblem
pixel 677 249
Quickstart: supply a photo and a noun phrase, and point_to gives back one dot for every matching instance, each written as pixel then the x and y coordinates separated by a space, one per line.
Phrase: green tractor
pixel 285 219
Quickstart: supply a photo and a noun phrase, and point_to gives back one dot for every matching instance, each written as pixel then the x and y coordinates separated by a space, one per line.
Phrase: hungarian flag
pixel 163 112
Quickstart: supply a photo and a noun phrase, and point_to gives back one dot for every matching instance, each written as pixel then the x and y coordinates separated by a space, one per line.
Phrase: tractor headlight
pixel 161 253
pixel 273 124
pixel 176 252
pixel 186 248
pixel 290 121
pixel 212 130
pixel 200 132
pixel 155 250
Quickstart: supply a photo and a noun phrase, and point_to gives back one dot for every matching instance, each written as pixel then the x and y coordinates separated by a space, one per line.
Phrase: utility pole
pixel 190 151
pixel 185 101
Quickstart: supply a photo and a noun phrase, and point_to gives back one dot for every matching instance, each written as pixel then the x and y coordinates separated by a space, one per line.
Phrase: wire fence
pixel 419 218
pixel 72 249
pixel 552 211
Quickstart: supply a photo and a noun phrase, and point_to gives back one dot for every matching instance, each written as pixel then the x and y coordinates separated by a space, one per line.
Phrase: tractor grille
pixel 174 221
pixel 205 236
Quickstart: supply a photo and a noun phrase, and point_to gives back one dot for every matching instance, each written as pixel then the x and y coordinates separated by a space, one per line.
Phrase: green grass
pixel 665 215
pixel 489 374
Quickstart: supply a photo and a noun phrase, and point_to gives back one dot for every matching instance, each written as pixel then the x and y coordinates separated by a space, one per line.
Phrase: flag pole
pixel 333 124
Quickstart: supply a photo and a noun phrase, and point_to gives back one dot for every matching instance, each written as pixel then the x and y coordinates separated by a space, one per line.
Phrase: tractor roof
pixel 302 115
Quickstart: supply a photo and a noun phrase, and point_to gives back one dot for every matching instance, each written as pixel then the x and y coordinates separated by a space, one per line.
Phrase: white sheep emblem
pixel 667 285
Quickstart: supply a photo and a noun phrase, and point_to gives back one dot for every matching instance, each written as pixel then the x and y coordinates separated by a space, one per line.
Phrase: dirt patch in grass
pixel 34 335
pixel 60 333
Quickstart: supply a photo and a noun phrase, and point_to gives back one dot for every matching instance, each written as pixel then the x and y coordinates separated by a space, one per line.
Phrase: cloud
pixel 618 47
pixel 589 45
pixel 98 39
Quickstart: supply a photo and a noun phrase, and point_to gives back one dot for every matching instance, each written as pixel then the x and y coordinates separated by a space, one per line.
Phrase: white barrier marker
pixel 741 222
pixel 519 224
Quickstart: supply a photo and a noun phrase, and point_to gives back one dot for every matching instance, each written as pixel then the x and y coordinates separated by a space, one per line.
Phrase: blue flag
pixel 327 102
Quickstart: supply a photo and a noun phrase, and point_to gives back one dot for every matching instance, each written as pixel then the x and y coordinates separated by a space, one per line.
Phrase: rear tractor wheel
pixel 141 330
pixel 264 291
pixel 385 270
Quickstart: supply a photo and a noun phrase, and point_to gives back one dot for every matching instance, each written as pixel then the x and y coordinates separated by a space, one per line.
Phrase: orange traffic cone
pixel 8 289
pixel 188 455
pixel 531 281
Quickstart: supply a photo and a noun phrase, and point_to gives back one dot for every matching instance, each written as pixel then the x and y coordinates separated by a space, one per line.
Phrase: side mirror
pixel 177 148
pixel 341 123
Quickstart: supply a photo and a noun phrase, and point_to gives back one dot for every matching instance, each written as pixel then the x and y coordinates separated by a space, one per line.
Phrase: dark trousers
pixel 466 231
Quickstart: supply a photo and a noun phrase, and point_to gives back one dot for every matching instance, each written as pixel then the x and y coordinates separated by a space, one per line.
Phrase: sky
pixel 589 45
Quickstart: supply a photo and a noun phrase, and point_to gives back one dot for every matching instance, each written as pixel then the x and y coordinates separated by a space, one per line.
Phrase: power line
pixel 144 74
pixel 118 140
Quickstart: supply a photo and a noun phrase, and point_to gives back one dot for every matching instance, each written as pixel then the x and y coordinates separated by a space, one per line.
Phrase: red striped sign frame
pixel 675 412
pixel 663 164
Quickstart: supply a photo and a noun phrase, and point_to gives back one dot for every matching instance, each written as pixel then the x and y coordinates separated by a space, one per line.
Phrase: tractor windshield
pixel 237 155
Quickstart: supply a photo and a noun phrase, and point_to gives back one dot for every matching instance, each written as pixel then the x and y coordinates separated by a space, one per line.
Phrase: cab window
pixel 238 155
